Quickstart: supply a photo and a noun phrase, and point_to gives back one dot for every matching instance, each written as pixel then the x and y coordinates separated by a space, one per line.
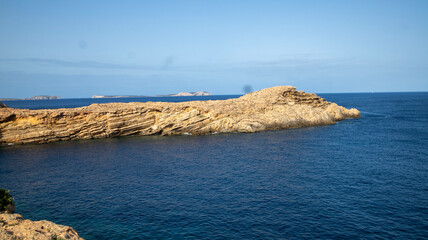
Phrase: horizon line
pixel 166 95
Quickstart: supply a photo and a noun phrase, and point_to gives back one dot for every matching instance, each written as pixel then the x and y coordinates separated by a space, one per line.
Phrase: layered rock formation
pixel 273 108
pixel 13 226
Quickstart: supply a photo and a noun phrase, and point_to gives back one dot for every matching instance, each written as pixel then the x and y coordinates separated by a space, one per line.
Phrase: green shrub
pixel 5 199
pixel 55 237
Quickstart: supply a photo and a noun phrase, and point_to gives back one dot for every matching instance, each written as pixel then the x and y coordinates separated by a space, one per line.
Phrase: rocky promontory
pixel 272 108
pixel 14 226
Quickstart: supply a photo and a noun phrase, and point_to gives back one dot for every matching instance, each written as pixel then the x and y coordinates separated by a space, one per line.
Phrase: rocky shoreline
pixel 272 108
pixel 14 226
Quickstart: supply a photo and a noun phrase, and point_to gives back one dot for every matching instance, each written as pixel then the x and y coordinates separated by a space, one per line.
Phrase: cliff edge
pixel 272 108
pixel 13 226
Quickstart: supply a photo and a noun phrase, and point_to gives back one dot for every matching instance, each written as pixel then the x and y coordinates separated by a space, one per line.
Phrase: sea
pixel 361 178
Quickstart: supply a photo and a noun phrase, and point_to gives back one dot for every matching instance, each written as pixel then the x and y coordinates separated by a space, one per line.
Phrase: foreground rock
pixel 13 226
pixel 273 108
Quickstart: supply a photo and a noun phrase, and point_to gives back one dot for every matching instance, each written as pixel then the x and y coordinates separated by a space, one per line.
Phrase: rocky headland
pixel 14 226
pixel 273 108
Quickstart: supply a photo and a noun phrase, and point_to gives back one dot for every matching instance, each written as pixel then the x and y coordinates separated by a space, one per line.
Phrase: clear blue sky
pixel 80 48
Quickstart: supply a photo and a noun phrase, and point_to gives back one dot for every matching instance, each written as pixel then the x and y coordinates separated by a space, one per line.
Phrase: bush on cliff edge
pixel 2 105
pixel 6 201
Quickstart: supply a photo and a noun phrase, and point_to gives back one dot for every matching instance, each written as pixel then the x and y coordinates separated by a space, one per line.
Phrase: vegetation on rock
pixel 6 200
pixel 2 105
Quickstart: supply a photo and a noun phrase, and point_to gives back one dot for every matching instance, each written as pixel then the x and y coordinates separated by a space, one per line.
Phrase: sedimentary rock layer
pixel 13 226
pixel 273 108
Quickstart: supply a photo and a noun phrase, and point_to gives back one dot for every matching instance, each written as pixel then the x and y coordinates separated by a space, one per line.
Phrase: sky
pixel 76 49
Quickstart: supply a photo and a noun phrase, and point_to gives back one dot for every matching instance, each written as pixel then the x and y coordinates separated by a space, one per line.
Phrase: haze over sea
pixel 358 179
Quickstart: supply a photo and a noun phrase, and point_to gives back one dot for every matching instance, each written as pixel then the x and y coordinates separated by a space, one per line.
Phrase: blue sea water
pixel 358 179
pixel 81 102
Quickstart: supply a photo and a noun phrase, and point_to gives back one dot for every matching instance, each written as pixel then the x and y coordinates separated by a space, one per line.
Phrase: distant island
pixel 40 97
pixel 186 94
pixel 180 94
pixel 43 97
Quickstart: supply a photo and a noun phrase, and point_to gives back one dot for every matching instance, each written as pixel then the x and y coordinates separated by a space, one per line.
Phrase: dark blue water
pixel 359 179
pixel 81 102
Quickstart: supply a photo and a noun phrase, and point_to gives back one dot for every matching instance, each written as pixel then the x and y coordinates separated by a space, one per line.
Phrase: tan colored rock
pixel 273 108
pixel 14 226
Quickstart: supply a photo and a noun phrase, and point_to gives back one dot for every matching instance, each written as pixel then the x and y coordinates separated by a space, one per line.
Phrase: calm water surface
pixel 358 179
pixel 81 102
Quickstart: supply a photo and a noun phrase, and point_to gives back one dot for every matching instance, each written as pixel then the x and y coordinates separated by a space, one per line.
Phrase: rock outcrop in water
pixel 273 108
pixel 13 226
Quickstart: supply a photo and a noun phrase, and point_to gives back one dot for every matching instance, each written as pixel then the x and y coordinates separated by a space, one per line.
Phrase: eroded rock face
pixel 273 108
pixel 14 226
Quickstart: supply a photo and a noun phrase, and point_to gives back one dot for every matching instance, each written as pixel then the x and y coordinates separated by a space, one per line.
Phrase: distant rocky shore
pixel 187 94
pixel 41 97
pixel 273 108
pixel 180 94
pixel 14 226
